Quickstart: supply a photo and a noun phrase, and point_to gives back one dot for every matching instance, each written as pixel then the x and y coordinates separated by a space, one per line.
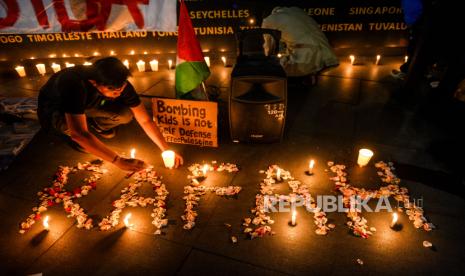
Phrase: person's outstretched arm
pixel 152 130
pixel 77 125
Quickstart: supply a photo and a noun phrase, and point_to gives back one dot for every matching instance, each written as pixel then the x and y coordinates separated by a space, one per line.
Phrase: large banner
pixel 52 16
pixel 359 27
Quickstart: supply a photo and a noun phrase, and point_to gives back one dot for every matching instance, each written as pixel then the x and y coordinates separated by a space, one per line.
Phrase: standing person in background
pixel 413 17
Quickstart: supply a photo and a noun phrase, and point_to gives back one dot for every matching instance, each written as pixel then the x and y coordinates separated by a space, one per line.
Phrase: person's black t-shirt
pixel 69 91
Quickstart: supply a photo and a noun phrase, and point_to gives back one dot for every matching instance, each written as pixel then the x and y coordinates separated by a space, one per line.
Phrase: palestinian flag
pixel 191 68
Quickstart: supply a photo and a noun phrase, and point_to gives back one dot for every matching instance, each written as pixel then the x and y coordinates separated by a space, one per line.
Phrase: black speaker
pixel 257 108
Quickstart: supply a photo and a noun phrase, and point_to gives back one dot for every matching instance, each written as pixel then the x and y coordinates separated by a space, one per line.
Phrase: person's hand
pixel 130 164
pixel 178 161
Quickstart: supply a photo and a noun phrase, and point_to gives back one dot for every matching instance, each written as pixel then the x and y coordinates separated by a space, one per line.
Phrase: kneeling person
pixel 97 96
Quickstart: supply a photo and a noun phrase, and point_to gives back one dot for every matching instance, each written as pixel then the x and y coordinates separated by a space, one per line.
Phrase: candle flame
pixel 126 221
pixel 126 63
pixel 352 59
pixel 278 174
pixel 378 57
pixel 170 63
pixel 133 153
pixel 223 58
pixel 293 219
pixel 310 166
pixel 405 59
pixel 394 219
pixel 45 223
pixel 205 169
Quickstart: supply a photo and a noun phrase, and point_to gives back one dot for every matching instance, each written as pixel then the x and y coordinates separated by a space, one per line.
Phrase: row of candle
pixel 378 58
pixel 140 66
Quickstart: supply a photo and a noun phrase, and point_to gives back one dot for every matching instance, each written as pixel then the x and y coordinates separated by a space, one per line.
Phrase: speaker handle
pixel 242 34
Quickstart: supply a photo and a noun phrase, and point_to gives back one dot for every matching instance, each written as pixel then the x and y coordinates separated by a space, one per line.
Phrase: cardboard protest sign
pixel 187 122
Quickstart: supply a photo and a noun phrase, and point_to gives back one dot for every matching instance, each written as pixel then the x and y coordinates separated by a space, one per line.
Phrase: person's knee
pixel 125 116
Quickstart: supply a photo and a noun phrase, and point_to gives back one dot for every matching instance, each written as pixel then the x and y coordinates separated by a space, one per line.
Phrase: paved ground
pixel 350 107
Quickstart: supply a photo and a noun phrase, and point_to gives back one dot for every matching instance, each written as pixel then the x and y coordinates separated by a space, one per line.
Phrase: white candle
pixel 293 218
pixel 170 63
pixel 126 221
pixel 168 158
pixel 223 58
pixel 310 166
pixel 55 67
pixel 133 153
pixel 207 61
pixel 21 71
pixel 405 59
pixel 352 59
pixel 378 57
pixel 69 65
pixel 126 63
pixel 87 63
pixel 364 156
pixel 154 65
pixel 45 223
pixel 205 170
pixel 278 174
pixel 141 66
pixel 394 220
pixel 41 68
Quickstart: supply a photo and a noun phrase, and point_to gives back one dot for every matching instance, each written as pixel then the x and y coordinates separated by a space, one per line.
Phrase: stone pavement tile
pixel 18 251
pixel 340 90
pixel 402 252
pixel 364 68
pixel 335 119
pixel 118 252
pixel 203 263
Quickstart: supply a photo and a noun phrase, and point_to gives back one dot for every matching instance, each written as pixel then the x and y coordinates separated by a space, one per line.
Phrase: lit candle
pixel 112 53
pixel 55 67
pixel 41 68
pixel 69 64
pixel 133 153
pixel 21 71
pixel 279 55
pixel 352 59
pixel 141 65
pixel 405 59
pixel 132 52
pixel 293 218
pixel 96 54
pixel 126 63
pixel 87 63
pixel 205 170
pixel 207 61
pixel 170 63
pixel 154 65
pixel 223 58
pixel 364 156
pixel 168 158
pixel 251 21
pixel 145 52
pixel 126 221
pixel 45 223
pixel 278 174
pixel 378 57
pixel 310 166
pixel 394 220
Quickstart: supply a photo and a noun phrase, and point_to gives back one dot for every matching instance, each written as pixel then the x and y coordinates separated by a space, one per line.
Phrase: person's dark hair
pixel 110 71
